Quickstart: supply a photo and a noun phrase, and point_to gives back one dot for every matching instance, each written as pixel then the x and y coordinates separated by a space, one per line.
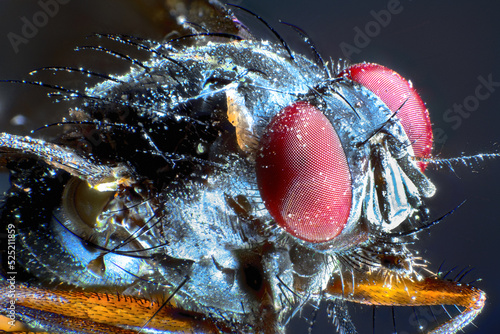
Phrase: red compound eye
pixel 303 175
pixel 395 92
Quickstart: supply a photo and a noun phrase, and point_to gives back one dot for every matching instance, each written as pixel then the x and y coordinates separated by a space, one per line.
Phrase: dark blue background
pixel 442 46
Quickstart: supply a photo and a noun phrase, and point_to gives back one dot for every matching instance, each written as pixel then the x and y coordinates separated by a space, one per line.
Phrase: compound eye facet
pixel 399 95
pixel 303 174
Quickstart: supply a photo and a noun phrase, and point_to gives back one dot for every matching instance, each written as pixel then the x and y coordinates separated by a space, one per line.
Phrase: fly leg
pixel 375 289
pixel 97 312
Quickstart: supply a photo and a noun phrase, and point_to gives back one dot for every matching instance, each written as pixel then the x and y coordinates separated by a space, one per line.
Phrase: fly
pixel 221 184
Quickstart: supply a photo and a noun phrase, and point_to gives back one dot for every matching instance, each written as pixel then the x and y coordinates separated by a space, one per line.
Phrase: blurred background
pixel 447 48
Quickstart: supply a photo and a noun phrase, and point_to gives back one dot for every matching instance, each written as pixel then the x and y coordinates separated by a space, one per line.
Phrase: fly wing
pixel 192 16
pixel 199 16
